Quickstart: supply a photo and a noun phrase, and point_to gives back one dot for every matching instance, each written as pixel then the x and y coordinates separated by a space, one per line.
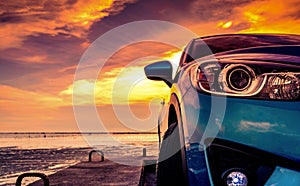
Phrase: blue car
pixel 233 114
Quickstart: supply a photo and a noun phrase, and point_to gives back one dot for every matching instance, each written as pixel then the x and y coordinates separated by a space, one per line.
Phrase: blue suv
pixel 233 114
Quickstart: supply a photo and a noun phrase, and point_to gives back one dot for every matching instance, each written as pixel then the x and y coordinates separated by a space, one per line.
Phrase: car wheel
pixel 169 168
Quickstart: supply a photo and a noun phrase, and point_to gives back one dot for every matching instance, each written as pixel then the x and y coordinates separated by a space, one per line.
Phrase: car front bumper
pixel 268 126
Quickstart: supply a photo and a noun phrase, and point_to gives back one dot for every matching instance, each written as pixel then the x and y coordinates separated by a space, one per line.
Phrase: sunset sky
pixel 42 42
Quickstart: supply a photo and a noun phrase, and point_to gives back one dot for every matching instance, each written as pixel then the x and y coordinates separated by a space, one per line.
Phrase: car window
pixel 225 43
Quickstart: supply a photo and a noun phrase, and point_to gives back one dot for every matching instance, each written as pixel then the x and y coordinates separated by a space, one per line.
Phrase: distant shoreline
pixel 78 133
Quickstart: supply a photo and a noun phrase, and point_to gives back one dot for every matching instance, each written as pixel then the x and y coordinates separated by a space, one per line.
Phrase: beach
pixel 54 152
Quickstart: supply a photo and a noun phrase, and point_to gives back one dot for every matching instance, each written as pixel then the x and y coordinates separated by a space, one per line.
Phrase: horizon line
pixel 120 132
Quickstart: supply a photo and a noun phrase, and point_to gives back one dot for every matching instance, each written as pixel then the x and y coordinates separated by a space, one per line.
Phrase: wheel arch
pixel 175 116
pixel 172 118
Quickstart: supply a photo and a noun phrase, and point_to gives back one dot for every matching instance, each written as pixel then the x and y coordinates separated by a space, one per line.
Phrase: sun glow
pixel 136 88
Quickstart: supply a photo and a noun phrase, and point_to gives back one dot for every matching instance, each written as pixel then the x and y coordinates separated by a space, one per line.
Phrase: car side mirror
pixel 161 71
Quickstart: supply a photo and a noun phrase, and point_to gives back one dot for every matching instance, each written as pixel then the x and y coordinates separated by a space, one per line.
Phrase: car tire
pixel 169 168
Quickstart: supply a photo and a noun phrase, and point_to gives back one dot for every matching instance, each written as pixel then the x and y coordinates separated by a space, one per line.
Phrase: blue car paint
pixel 282 176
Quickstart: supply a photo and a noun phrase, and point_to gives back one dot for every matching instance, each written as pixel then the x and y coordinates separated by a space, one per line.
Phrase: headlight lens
pixel 247 80
pixel 239 79
pixel 284 86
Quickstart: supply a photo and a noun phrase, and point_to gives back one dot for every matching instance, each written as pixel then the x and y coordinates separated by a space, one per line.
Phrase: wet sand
pixel 98 173
pixel 14 161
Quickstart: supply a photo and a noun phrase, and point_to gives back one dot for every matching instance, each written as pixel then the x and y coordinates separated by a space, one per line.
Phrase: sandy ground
pixel 96 173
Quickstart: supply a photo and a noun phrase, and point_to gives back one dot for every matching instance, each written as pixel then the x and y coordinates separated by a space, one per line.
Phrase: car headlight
pixel 265 80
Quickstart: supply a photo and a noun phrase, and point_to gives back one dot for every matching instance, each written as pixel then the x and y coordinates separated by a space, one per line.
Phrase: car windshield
pixel 225 43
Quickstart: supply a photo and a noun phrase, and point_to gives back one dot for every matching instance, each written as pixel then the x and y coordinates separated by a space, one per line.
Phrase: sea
pixel 49 153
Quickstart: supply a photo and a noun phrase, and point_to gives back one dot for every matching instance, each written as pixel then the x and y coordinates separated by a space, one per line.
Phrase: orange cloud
pixel 33 59
pixel 54 18
pixel 268 16
pixel 84 13
pixel 273 16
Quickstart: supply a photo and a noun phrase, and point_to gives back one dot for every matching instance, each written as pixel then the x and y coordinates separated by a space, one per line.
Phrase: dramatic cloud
pixel 23 18
pixel 269 16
